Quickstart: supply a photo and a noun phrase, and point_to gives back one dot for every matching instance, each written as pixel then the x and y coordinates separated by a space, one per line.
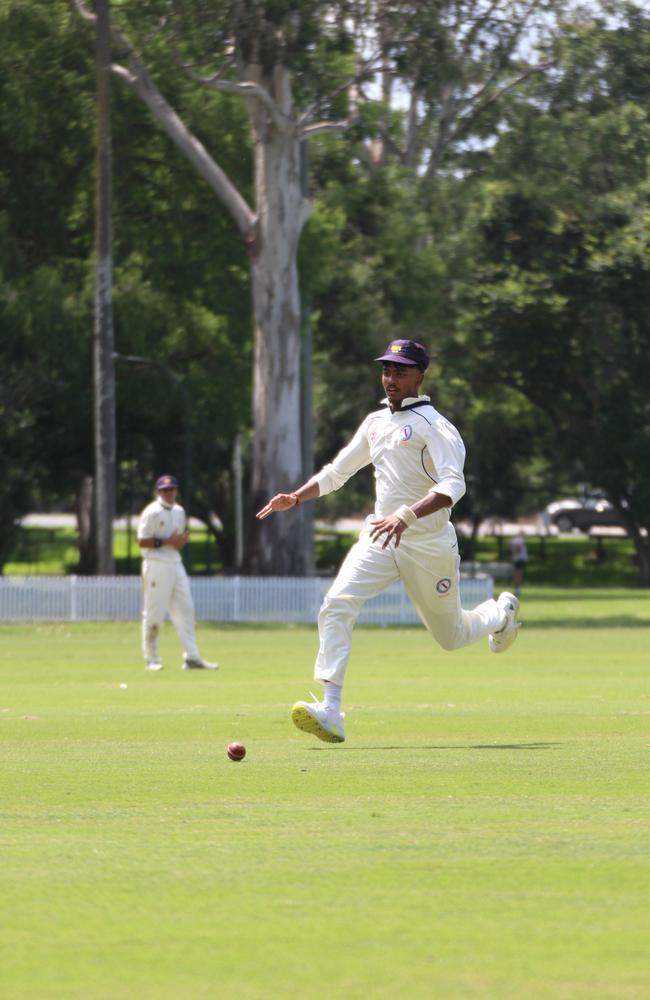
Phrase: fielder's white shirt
pixel 415 451
pixel 160 521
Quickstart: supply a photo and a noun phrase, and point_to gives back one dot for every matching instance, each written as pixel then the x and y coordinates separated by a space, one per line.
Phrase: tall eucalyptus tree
pixel 306 68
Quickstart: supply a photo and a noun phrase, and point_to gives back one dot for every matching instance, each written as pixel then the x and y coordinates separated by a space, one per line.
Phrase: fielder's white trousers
pixel 428 566
pixel 166 589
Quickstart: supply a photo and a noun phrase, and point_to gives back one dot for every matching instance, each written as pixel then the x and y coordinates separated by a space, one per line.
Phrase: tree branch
pixel 135 74
pixel 321 128
pixel 350 84
pixel 243 88
pixel 479 108
pixel 83 11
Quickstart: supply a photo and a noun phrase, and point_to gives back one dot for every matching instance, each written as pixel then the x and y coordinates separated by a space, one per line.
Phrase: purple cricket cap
pixel 167 483
pixel 405 352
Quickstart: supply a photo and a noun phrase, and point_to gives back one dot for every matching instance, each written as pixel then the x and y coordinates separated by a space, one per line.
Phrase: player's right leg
pixel 366 571
pixel 430 571
pixel 157 583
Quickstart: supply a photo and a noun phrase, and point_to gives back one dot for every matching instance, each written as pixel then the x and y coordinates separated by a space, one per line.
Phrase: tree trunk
pixel 87 554
pixel 277 547
pixel 271 234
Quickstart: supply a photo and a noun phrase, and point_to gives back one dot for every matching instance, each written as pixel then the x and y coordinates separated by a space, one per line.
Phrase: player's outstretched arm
pixel 285 501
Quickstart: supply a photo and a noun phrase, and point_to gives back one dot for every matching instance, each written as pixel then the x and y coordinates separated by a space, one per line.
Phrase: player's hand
pixel 390 526
pixel 281 501
pixel 178 539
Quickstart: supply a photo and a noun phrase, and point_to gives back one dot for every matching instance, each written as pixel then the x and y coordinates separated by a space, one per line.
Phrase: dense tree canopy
pixel 181 299
pixel 497 213
pixel 558 306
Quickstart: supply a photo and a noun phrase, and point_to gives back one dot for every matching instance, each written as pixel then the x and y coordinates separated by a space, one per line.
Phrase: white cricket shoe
pixel 316 718
pixel 504 638
pixel 197 663
pixel 153 665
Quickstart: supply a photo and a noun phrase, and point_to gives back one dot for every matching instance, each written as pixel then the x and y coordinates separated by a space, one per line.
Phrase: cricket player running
pixel 162 533
pixel 418 458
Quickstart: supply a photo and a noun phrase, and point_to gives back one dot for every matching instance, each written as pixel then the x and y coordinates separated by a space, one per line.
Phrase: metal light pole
pixel 104 375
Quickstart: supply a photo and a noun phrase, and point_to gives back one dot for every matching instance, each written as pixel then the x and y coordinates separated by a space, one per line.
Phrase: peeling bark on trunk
pixel 271 233
pixel 277 543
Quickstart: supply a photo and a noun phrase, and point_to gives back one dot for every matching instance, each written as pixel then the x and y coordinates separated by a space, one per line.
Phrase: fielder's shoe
pixel 153 665
pixel 197 663
pixel 504 638
pixel 316 718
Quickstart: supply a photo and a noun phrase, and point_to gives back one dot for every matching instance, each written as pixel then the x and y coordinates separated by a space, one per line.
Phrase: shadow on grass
pixel 453 746
pixel 584 621
pixel 575 594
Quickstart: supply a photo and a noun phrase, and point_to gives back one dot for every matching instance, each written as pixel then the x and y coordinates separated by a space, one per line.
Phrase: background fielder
pixel 418 458
pixel 162 533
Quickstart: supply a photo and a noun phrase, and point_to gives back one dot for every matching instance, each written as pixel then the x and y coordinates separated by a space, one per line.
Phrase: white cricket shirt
pixel 159 521
pixel 415 451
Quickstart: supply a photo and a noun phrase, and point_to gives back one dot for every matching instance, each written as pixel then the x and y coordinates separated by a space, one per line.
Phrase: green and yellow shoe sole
pixel 304 720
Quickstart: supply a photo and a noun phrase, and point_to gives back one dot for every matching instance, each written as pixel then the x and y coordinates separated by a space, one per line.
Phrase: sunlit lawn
pixel 483 833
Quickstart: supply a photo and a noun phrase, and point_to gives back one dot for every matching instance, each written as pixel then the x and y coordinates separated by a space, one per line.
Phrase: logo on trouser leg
pixel 443 586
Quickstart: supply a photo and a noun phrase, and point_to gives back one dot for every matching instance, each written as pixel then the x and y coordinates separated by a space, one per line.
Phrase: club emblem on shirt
pixel 406 432
pixel 443 586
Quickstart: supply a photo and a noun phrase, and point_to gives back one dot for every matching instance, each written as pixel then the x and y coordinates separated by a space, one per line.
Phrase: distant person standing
pixel 162 533
pixel 519 559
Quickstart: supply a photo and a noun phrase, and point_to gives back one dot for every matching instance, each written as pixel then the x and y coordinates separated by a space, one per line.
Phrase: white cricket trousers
pixel 429 567
pixel 166 589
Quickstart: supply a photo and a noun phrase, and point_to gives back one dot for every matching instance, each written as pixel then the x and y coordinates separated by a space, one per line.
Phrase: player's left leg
pixel 181 612
pixel 430 571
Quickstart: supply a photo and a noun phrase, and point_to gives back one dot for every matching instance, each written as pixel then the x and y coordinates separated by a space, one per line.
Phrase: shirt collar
pixel 167 506
pixel 409 401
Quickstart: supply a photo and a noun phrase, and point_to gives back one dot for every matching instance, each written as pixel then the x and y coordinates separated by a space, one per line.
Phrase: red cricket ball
pixel 236 751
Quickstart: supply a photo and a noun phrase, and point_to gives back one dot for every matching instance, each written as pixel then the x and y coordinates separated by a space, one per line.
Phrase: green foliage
pixel 522 265
pixel 181 279
pixel 567 562
pixel 558 302
pixel 54 551
pixel 554 562
pixel 370 273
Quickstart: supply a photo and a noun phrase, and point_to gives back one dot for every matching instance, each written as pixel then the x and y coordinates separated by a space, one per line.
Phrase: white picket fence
pixel 289 600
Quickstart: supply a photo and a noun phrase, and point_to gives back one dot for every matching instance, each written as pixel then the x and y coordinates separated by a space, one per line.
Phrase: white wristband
pixel 406 514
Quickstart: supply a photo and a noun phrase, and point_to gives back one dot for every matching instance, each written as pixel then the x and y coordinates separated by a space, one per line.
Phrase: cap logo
pixel 395 348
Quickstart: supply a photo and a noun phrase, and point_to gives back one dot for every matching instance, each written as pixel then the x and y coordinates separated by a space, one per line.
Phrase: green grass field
pixel 483 833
